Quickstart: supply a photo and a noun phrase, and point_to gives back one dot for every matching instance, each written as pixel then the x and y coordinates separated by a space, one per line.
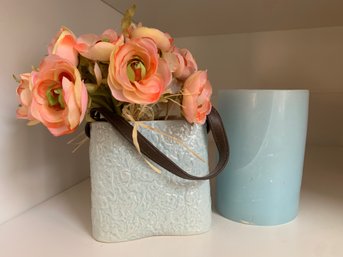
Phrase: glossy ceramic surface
pixel 267 134
pixel 131 201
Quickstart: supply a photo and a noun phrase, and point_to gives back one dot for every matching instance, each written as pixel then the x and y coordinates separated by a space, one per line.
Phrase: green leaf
pixel 127 18
pixel 91 88
pixel 16 78
pixel 102 97
pixel 83 61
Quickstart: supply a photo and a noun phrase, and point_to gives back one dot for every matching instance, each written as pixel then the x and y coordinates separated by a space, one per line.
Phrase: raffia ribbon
pixel 137 124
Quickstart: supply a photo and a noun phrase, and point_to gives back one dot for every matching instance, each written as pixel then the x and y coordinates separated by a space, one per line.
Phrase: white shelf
pixel 61 226
pixel 217 17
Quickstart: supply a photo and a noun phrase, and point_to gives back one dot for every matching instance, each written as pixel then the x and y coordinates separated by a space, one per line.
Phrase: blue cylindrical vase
pixel 267 134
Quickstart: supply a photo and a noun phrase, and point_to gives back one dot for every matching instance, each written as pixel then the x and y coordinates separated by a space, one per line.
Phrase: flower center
pixel 55 97
pixel 136 70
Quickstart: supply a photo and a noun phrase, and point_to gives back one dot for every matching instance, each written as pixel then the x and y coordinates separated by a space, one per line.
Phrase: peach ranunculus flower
pixel 181 63
pixel 59 97
pixel 97 48
pixel 63 45
pixel 136 73
pixel 196 103
pixel 186 64
pixel 25 98
pixel 162 40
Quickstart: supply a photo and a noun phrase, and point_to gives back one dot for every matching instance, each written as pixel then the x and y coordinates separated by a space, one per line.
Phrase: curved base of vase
pixel 105 239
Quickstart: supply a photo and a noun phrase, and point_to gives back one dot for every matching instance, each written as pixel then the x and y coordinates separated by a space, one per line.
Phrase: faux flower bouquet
pixel 139 74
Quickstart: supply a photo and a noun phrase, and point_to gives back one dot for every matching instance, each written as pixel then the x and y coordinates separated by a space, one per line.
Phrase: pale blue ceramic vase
pixel 131 201
pixel 267 133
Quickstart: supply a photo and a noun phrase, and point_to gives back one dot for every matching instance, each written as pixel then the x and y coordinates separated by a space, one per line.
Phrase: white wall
pixel 308 58
pixel 34 165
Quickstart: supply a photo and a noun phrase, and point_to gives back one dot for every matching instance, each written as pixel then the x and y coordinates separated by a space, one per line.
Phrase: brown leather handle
pixel 149 150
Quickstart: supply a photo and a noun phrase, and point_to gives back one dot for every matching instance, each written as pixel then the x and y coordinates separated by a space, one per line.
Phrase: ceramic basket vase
pixel 131 201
